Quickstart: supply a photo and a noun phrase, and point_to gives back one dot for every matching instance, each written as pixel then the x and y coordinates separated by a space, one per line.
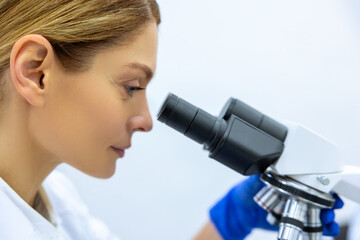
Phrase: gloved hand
pixel 327 216
pixel 237 213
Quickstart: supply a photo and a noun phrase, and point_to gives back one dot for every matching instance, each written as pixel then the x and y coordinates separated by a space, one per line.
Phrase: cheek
pixel 79 125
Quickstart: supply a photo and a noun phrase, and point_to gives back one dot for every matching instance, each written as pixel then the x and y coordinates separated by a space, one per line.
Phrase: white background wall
pixel 295 60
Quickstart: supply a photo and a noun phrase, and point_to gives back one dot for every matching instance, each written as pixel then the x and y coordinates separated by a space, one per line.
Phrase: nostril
pixel 149 125
pixel 145 128
pixel 139 130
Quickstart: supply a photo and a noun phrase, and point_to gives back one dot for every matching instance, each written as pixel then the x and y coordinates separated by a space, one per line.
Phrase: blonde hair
pixel 76 29
pixel 43 206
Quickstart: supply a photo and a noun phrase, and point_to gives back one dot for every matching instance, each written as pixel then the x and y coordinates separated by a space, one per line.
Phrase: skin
pixel 53 116
pixel 208 232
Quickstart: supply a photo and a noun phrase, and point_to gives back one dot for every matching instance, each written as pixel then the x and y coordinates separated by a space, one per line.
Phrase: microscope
pixel 299 167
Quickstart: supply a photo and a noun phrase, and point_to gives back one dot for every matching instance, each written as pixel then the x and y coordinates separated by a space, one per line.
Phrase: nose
pixel 145 123
pixel 142 121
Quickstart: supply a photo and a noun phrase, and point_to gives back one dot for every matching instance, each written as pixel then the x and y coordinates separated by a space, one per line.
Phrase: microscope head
pixel 250 142
pixel 241 137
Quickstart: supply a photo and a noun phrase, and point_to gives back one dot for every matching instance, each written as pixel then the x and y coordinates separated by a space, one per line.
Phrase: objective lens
pixel 267 198
pixel 292 221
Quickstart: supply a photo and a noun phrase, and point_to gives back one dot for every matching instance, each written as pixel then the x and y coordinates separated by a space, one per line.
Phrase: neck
pixel 23 163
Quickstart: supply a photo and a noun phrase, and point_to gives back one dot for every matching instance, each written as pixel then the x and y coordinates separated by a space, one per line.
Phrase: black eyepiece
pixel 167 107
pixel 191 121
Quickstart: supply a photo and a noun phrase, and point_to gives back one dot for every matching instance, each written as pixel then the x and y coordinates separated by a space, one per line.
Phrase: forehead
pixel 142 51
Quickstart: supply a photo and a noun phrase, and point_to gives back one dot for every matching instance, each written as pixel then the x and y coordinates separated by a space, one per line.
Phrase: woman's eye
pixel 131 90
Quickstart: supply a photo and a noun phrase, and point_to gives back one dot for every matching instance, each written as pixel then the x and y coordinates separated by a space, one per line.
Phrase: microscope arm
pixel 349 185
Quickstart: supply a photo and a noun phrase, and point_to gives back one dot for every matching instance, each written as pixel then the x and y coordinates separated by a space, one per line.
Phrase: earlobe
pixel 30 64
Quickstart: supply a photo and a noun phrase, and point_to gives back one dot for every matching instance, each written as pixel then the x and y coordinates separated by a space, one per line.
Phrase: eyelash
pixel 131 90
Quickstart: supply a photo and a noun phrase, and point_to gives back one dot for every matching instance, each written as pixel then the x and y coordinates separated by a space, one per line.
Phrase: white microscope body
pixel 316 162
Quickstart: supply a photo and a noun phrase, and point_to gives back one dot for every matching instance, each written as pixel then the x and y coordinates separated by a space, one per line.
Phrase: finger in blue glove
pixel 237 213
pixel 327 216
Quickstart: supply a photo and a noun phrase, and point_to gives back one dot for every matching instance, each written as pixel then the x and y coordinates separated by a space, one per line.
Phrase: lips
pixel 119 151
pixel 123 148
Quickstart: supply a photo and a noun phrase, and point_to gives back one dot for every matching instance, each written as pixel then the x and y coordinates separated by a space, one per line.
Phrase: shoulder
pixel 15 214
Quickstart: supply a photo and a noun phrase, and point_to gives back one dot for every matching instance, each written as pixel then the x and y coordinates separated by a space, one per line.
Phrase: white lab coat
pixel 73 222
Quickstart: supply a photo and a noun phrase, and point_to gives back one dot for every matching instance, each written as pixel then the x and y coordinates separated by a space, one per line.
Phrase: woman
pixel 73 78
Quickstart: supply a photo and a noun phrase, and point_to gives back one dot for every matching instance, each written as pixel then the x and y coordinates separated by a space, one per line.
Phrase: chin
pixel 108 173
pixel 96 166
pixel 102 172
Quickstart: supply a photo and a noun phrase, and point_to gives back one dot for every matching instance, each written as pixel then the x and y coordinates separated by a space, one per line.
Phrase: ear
pixel 30 62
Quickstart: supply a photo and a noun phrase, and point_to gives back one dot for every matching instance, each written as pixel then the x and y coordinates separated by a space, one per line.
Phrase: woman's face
pixel 89 113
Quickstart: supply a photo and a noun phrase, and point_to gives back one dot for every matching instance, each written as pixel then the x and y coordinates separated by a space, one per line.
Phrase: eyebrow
pixel 149 73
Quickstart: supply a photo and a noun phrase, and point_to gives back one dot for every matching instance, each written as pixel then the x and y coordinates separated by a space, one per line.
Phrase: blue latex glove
pixel 237 213
pixel 327 216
